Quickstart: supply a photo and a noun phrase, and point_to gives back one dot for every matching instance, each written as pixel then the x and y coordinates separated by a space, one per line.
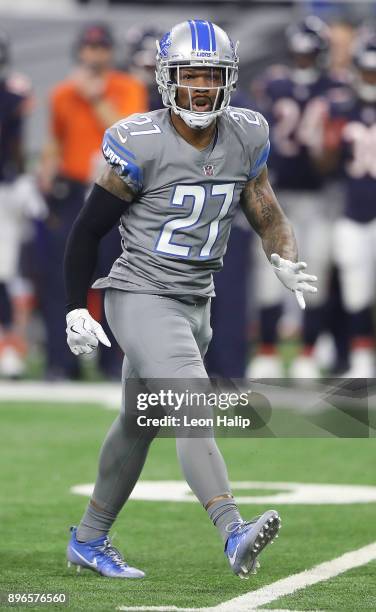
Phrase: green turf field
pixel 45 449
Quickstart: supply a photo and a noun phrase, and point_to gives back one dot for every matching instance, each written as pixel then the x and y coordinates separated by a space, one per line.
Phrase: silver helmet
pixel 196 43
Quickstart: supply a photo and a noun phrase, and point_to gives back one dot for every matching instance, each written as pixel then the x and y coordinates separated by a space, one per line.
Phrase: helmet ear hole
pixel 309 40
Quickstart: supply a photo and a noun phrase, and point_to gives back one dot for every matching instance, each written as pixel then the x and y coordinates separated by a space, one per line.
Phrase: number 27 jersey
pixel 175 232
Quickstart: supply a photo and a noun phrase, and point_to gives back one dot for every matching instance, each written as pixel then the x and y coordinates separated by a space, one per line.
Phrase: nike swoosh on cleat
pixel 232 557
pixel 91 564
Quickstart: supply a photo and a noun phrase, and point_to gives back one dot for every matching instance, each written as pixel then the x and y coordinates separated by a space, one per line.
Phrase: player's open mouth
pixel 201 104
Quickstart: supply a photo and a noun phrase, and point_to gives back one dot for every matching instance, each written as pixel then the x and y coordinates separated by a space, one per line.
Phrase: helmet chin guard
pixel 196 44
pixel 197 121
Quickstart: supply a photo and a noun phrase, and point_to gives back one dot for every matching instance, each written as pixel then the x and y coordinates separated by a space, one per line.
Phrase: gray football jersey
pixel 174 234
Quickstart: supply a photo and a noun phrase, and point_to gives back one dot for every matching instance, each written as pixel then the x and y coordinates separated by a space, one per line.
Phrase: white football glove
pixel 83 332
pixel 291 276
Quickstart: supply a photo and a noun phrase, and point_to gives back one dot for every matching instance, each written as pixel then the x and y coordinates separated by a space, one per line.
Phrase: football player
pixel 350 145
pixel 291 97
pixel 175 179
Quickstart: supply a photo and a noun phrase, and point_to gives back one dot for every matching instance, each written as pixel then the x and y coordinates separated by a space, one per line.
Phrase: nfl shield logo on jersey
pixel 208 169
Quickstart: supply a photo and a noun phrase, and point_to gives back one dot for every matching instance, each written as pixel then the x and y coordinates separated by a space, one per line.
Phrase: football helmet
pixel 364 61
pixel 140 52
pixel 196 43
pixel 308 42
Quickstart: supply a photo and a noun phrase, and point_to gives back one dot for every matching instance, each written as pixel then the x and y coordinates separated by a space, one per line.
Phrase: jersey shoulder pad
pixel 129 145
pixel 254 131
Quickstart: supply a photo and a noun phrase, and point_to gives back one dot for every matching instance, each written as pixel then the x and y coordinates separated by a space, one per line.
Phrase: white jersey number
pixel 238 115
pixel 363 140
pixel 296 127
pixel 198 193
pixel 142 120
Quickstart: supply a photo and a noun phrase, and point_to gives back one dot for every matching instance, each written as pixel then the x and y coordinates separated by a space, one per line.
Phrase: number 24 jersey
pixel 175 232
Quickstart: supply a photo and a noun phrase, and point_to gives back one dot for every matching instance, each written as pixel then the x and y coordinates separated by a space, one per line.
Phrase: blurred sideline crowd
pixel 321 108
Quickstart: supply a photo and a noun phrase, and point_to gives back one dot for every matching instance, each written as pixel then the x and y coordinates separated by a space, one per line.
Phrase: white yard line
pixel 108 394
pixel 291 493
pixel 296 582
pixel 254 600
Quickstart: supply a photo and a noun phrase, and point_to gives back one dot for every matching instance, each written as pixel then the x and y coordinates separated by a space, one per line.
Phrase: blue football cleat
pixel 100 556
pixel 248 539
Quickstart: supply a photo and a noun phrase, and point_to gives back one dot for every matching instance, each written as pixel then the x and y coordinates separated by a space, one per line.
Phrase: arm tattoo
pixel 265 215
pixel 110 181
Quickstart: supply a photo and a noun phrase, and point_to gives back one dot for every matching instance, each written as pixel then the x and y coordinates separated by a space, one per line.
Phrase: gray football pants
pixel 162 338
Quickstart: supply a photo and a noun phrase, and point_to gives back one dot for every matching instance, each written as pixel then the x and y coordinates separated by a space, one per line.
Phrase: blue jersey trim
pixel 135 173
pixel 260 161
pixel 116 144
pixel 123 167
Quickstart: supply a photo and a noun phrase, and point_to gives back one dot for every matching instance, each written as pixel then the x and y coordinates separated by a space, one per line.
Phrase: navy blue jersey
pixel 14 93
pixel 293 111
pixel 351 128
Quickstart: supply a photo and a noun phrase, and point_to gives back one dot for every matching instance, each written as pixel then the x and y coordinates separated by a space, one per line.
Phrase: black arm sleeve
pixel 101 211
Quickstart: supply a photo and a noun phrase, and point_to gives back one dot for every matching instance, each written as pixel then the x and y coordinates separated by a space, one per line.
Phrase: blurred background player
pixel 291 99
pixel 91 99
pixel 350 146
pixel 19 201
